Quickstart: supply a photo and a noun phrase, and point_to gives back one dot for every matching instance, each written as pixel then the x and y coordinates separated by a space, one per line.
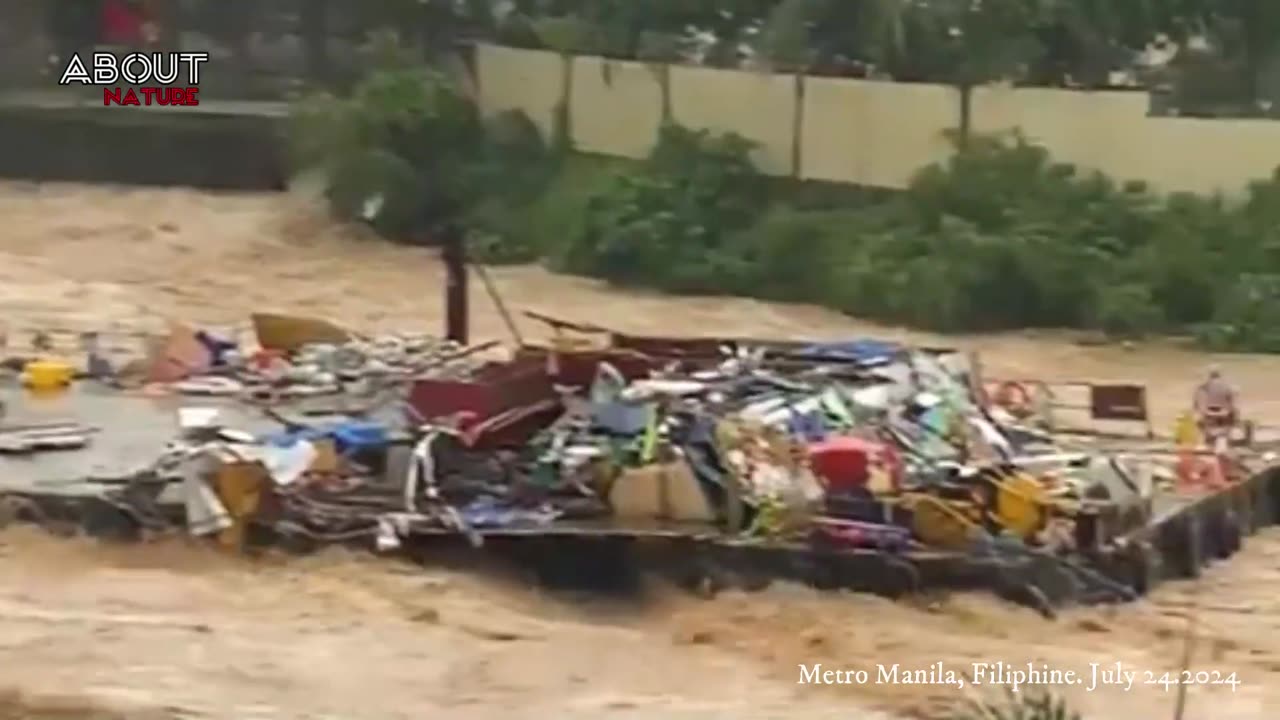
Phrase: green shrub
pixel 523 227
pixel 1127 310
pixel 998 238
pixel 1248 316
pixel 668 224
pixel 796 256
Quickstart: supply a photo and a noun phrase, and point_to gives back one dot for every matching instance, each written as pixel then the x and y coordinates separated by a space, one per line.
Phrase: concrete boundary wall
pixel 758 106
pixel 869 133
pixel 615 108
pixel 873 133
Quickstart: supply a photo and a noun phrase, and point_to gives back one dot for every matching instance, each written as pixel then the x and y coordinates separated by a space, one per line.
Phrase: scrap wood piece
pixel 289 333
pixel 504 634
pixel 240 486
pixel 667 491
pixel 177 356
pixel 422 370
pixel 51 436
pixel 1177 605
pixel 559 325
pixel 47 426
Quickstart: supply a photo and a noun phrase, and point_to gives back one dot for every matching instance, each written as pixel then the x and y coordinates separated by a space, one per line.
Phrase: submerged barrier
pixel 1178 544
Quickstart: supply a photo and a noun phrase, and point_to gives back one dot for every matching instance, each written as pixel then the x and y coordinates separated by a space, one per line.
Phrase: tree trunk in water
pixel 454 254
pixel 966 114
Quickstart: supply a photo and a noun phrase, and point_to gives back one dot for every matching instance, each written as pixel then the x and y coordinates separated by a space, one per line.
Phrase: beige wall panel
pixel 616 107
pixel 1089 129
pixel 758 106
pixel 874 133
pixel 1199 155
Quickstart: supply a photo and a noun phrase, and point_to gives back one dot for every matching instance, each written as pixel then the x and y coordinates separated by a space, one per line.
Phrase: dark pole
pixel 454 254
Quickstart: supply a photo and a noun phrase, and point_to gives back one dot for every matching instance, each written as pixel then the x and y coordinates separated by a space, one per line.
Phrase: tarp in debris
pixel 863 351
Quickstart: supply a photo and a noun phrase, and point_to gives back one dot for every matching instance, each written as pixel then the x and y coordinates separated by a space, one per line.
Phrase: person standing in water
pixel 1215 402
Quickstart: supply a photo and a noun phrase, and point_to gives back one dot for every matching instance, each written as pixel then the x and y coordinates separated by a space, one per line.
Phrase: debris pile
pixel 849 447
pixel 291 364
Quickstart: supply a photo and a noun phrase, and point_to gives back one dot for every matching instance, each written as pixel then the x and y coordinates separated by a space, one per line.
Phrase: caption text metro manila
pixel 981 673
pixel 158 78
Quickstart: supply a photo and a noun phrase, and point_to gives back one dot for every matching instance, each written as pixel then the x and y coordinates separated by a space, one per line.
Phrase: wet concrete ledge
pixel 221 146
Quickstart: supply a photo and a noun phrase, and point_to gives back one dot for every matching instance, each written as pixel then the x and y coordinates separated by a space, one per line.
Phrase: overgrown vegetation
pixel 1227 51
pixel 1000 237
pixel 670 221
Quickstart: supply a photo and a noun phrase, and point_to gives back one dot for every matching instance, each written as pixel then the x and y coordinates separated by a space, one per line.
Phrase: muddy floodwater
pixel 173 630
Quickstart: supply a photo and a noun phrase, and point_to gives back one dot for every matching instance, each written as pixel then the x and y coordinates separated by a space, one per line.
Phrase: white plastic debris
pixel 287 464
pixel 197 418
pixel 209 386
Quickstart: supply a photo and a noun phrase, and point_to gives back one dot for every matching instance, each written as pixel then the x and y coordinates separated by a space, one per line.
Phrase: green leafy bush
pixel 669 223
pixel 395 151
pixel 1127 310
pixel 1000 237
pixel 794 256
pixel 1248 317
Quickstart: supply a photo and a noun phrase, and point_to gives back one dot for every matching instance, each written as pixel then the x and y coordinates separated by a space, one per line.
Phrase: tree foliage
pixel 962 42
pixel 407 150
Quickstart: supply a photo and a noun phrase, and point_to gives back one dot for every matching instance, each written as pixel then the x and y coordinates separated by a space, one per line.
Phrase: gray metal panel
pixel 132 432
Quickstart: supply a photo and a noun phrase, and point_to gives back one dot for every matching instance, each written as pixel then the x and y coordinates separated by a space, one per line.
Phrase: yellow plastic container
pixel 47 374
pixel 1185 433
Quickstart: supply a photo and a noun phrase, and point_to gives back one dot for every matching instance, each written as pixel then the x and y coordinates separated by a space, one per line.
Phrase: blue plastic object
pixel 864 351
pixel 348 437
pixel 357 436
